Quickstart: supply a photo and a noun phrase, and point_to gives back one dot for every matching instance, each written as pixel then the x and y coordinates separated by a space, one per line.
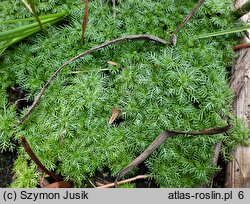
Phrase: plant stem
pixel 224 32
pixel 32 6
pixel 123 181
pixel 185 20
pixel 36 160
pixel 85 20
pixel 240 46
pixel 131 37
pixel 160 140
pixel 114 9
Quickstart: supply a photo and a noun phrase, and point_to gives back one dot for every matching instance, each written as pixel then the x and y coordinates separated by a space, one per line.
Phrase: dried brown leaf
pixel 115 113
pixel 112 63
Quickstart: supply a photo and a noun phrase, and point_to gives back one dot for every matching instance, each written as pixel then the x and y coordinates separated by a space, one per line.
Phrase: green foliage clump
pixel 26 175
pixel 8 120
pixel 127 185
pixel 182 87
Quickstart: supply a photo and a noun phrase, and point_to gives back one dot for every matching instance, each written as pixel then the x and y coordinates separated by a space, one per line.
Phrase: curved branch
pixel 131 37
pixel 160 140
pixel 184 21
pixel 37 161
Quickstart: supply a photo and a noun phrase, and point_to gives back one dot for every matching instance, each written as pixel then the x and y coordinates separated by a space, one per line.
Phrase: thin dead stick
pixel 160 140
pixel 114 9
pixel 100 181
pixel 43 181
pixel 93 185
pixel 123 181
pixel 131 37
pixel 217 149
pixel 241 46
pixel 85 20
pixel 20 99
pixel 185 20
pixel 37 161
pixel 208 131
pixel 27 6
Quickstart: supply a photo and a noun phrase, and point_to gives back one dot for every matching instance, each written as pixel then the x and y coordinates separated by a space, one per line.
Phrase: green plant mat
pixel 182 87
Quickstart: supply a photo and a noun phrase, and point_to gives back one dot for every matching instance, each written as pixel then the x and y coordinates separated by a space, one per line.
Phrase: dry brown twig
pixel 217 149
pixel 44 184
pixel 131 37
pixel 100 181
pixel 241 46
pixel 114 9
pixel 37 161
pixel 43 181
pixel 160 140
pixel 85 19
pixel 92 184
pixel 184 21
pixel 123 181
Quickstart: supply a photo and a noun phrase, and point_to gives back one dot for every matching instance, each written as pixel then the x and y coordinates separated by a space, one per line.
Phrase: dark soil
pixel 6 162
pixel 220 178
pixel 17 96
pixel 7 159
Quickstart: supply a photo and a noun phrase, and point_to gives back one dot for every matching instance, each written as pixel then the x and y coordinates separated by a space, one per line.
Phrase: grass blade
pixel 12 36
pixel 55 15
pixel 17 32
pixel 32 6
pixel 224 32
